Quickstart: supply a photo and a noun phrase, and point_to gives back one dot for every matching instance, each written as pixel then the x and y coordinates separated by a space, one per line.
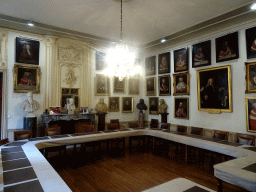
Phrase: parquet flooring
pixel 137 172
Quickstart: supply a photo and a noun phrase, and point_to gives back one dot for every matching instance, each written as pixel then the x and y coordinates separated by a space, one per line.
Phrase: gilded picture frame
pixel 164 85
pixel 250 103
pixel 100 61
pixel 181 84
pixel 151 86
pixel 118 85
pixel 214 89
pixel 153 105
pixel 181 107
pixel 101 85
pixel 134 86
pixel 127 104
pixel 181 60
pixel 250 77
pixel 251 42
pixel 26 79
pixel 114 104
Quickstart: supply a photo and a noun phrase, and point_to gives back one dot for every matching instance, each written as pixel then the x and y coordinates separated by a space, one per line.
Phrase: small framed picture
pixel 26 79
pixel 181 84
pixel 201 54
pixel 153 105
pixel 127 103
pixel 164 85
pixel 181 60
pixel 250 77
pixel 151 86
pixel 227 47
pixel 251 114
pixel 100 58
pixel 150 64
pixel 181 106
pixel 101 85
pixel 251 42
pixel 119 85
pixel 113 104
pixel 214 89
pixel 27 51
pixel 164 63
pixel 134 86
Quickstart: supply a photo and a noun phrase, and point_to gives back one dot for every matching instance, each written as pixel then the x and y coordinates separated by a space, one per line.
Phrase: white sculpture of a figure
pixel 30 105
pixel 162 107
pixel 70 106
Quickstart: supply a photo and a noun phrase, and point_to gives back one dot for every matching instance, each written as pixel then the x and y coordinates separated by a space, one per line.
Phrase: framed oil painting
pixel 100 58
pixel 26 79
pixel 27 51
pixel 113 104
pixel 150 64
pixel 251 42
pixel 153 105
pixel 250 77
pixel 119 85
pixel 181 60
pixel 127 103
pixel 201 54
pixel 134 86
pixel 164 63
pixel 164 85
pixel 251 114
pixel 227 47
pixel 181 84
pixel 214 89
pixel 150 86
pixel 181 108
pixel 101 85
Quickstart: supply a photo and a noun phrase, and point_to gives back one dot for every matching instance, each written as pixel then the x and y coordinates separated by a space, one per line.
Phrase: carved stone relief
pixel 69 54
pixel 3 48
pixel 70 75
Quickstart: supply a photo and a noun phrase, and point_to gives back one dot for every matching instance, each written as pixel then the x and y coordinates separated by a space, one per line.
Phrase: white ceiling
pixel 144 21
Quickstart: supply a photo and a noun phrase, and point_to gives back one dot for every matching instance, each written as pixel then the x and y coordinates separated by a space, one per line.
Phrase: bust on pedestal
pixel 141 106
pixel 30 106
pixel 70 106
pixel 162 109
pixel 101 108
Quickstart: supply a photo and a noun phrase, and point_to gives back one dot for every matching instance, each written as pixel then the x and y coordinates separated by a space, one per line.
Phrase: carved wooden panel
pixel 69 54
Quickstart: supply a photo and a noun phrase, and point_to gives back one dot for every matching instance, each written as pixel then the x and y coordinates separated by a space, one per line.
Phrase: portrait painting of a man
pixel 127 103
pixel 227 47
pixel 164 63
pixel 181 84
pixel 250 77
pixel 134 86
pixel 251 113
pixel 251 42
pixel 27 51
pixel 150 64
pixel 153 105
pixel 201 54
pixel 101 85
pixel 113 104
pixel 181 108
pixel 214 89
pixel 100 61
pixel 119 85
pixel 150 86
pixel 164 85
pixel 181 60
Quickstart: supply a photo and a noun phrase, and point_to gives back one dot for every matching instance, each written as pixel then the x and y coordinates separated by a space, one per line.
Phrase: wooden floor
pixel 134 172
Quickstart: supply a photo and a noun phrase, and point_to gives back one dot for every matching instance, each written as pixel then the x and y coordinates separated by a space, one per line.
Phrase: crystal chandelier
pixel 121 58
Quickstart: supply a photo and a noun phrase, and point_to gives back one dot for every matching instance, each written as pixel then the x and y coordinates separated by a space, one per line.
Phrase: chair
pixel 51 132
pixel 4 141
pixel 194 154
pixel 133 125
pixel 20 135
pixel 117 122
pixel 154 124
pixel 182 129
pixel 222 135
pixel 165 126
pixel 245 139
pixel 113 145
pixel 196 131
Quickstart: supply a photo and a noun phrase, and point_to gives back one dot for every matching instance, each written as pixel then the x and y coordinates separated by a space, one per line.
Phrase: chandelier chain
pixel 121 34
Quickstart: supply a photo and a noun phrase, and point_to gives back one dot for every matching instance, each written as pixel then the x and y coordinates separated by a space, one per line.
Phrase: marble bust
pixel 70 106
pixel 30 105
pixel 101 107
pixel 162 107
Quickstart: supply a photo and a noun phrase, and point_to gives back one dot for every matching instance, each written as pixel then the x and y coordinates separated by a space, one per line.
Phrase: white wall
pixel 15 113
pixel 232 122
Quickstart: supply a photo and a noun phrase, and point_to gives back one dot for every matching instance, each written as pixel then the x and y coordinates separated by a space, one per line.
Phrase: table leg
pixel 220 187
